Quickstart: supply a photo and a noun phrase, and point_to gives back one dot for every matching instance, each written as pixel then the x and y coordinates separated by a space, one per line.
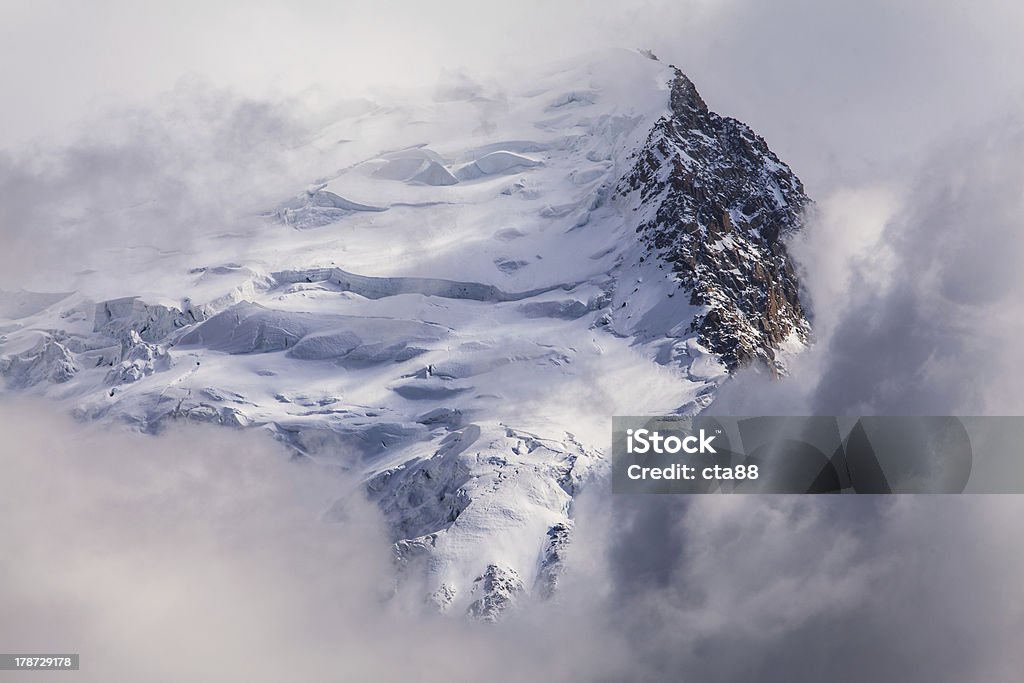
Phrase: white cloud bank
pixel 201 554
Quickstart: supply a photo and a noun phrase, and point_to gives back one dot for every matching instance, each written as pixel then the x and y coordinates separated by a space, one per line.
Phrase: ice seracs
pixel 317 207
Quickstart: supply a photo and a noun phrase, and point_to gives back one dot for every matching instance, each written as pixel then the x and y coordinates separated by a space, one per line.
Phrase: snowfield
pixel 452 310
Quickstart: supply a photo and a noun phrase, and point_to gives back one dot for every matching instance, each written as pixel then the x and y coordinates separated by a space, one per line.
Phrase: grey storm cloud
pixel 787 588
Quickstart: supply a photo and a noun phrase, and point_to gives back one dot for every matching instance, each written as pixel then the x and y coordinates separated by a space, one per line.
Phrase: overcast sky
pixel 845 89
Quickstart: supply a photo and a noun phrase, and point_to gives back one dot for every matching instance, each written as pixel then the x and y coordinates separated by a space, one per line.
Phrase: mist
pixel 845 91
pixel 160 126
pixel 204 554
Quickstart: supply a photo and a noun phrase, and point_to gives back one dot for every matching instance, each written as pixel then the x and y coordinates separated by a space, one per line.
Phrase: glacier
pixel 452 309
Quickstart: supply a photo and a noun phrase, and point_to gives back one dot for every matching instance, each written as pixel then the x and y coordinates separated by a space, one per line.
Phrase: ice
pixel 23 304
pixel 434 173
pixel 48 361
pixel 566 309
pixel 252 328
pixel 381 287
pixel 317 207
pixel 495 163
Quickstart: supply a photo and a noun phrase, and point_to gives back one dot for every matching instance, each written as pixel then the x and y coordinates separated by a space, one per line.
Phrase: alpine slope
pixel 454 311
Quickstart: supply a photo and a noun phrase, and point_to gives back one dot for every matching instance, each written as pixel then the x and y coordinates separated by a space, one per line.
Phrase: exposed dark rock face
pixel 716 204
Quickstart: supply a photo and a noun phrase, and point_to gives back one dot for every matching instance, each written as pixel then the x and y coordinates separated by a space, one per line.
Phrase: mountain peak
pixel 419 308
pixel 717 204
pixel 684 99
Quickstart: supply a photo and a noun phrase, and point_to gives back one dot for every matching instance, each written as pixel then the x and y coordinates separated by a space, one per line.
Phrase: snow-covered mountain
pixel 454 314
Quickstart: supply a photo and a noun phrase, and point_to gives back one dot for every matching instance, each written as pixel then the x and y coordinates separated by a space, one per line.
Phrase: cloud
pixel 199 162
pixel 915 291
pixel 203 554
pixel 177 558
pixel 211 100
pixel 846 91
pixel 787 588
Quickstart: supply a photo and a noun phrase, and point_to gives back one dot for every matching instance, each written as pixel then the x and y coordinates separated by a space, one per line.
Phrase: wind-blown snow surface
pixel 450 311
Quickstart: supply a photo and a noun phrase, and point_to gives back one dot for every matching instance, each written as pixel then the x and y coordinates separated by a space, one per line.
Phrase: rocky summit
pixel 716 204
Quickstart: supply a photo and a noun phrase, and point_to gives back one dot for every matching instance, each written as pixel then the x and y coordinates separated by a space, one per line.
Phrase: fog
pixel 205 106
pixel 846 91
pixel 202 554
